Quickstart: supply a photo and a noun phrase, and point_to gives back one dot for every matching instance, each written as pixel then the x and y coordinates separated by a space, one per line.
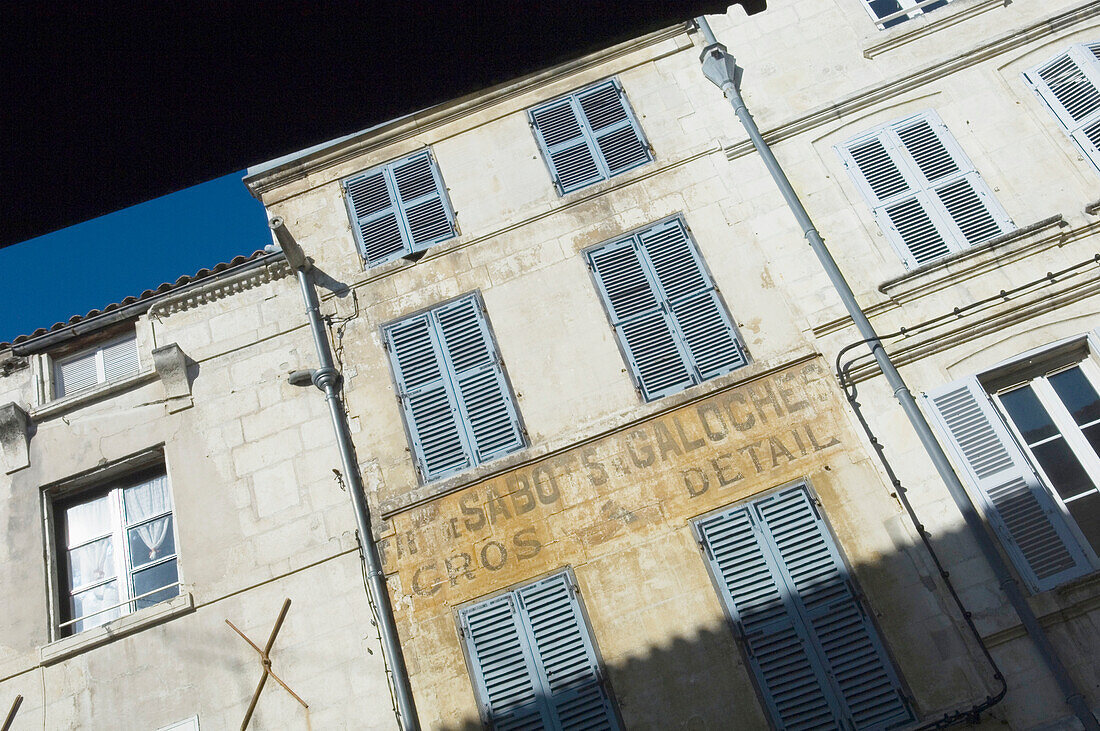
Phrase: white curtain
pixel 143 501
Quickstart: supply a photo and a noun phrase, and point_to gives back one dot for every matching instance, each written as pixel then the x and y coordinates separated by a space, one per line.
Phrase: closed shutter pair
pixel 589 136
pixel 399 208
pixel 672 326
pixel 533 662
pixel 1017 504
pixel 457 404
pixel 1069 84
pixel 926 195
pixel 816 655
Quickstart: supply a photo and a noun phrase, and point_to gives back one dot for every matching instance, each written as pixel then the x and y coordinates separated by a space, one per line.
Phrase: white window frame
pixel 96 351
pixel 919 188
pixel 1068 429
pixel 909 9
pixel 1084 57
pixel 123 568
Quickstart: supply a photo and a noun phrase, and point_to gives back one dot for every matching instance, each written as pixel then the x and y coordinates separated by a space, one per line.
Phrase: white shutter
pixel 76 374
pixel 924 192
pixel 1017 505
pixel 120 360
pixel 1069 84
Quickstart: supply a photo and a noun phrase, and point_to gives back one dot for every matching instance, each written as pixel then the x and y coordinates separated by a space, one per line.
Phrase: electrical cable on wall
pixel 951 718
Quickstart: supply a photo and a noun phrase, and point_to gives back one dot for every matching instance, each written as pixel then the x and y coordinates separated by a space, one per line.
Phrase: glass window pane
pixel 91 563
pixel 882 8
pixel 151 541
pixel 1086 511
pixel 1028 414
pixel 1063 468
pixel 87 520
pixel 147 499
pixel 85 603
pixel 155 577
pixel 1092 434
pixel 1077 394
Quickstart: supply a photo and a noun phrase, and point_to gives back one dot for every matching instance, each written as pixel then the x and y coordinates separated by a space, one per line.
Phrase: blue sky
pixel 49 278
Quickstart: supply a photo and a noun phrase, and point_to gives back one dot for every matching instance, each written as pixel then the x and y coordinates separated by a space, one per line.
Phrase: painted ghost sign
pixel 656 472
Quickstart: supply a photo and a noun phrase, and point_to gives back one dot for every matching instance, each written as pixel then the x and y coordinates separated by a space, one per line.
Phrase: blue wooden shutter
pixel 375 217
pixel 565 655
pixel 510 693
pixel 565 145
pixel 533 662
pixel 424 205
pixel 431 412
pixel 614 128
pixel 674 330
pixel 1070 86
pixel 697 313
pixel 589 136
pixel 485 402
pixel 1016 503
pixel 816 655
pixel 655 356
pixel 399 208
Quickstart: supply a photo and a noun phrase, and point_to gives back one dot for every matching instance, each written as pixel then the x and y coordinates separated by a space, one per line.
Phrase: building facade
pixel 591 373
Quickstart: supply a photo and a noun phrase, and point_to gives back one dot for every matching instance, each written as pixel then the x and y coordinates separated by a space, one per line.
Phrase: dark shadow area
pixel 100 116
pixel 699 679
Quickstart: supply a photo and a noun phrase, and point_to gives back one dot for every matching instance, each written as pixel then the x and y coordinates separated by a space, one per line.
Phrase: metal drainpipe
pixel 721 69
pixel 327 379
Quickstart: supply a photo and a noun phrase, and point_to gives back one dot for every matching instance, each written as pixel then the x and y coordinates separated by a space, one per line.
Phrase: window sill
pixel 966 263
pixel 928 23
pixel 83 398
pixel 67 647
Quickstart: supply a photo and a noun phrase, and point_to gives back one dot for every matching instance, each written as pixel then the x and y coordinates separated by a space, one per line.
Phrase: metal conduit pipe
pixel 722 70
pixel 328 379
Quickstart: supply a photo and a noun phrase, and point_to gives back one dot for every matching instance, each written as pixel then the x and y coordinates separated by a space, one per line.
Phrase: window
pixel 1069 84
pixel 926 195
pixel 117 551
pixel 533 661
pixel 190 724
pixel 456 400
pixel 106 363
pixel 399 208
pixel 673 328
pixel 589 136
pixel 816 656
pixel 1028 439
pixel 888 13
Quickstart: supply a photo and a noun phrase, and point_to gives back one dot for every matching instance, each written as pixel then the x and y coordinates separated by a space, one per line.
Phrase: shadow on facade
pixel 697 676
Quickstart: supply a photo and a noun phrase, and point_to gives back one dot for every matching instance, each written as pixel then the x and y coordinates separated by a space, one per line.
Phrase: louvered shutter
pixel 1070 86
pixel 673 327
pixel 565 656
pixel 565 145
pixel 423 204
pixel 1017 505
pixel 431 411
pixel 375 217
pixel 697 313
pixel 612 123
pixel 926 195
pixel 589 136
pixel 509 690
pixel 120 360
pixel 76 374
pixel 484 399
pixel 654 354
pixel 817 656
pixel 399 208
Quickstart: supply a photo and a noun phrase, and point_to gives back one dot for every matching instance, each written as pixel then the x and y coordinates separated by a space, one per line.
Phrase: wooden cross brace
pixel 265 664
pixel 11 714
